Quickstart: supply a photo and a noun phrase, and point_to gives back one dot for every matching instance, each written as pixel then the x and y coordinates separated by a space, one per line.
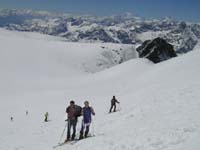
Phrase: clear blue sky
pixel 188 10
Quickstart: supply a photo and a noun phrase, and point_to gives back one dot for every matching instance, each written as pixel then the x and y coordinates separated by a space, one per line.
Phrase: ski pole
pixel 63 132
pixel 92 126
pixel 119 107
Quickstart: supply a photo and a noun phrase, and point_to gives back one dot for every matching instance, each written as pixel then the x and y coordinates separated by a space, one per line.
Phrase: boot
pixel 73 137
pixel 86 134
pixel 81 136
pixel 66 140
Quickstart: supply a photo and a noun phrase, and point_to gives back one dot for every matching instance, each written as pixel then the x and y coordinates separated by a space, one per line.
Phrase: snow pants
pixel 113 106
pixel 71 124
pixel 86 127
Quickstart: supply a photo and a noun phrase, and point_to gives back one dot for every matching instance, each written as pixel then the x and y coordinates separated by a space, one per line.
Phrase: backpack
pixel 78 110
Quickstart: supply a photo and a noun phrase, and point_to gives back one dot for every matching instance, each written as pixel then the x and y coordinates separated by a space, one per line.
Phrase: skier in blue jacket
pixel 87 113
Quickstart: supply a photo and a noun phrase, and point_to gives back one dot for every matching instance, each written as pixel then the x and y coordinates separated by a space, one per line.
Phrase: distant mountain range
pixel 125 28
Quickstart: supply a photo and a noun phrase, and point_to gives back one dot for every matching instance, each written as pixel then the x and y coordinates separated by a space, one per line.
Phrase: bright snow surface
pixel 159 109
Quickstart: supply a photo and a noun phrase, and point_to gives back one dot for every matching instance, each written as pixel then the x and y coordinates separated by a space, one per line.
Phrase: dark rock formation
pixel 157 50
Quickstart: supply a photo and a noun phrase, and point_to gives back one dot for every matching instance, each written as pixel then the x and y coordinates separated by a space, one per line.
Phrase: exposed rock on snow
pixel 156 50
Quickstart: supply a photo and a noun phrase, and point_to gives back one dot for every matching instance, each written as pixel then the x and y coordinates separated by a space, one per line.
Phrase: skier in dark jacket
pixel 113 104
pixel 46 115
pixel 87 113
pixel 72 120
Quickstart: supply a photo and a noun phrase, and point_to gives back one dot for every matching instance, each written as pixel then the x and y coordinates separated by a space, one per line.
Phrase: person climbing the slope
pixel 113 104
pixel 87 113
pixel 73 112
pixel 46 115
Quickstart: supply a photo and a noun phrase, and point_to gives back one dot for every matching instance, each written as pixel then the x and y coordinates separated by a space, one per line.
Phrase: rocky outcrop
pixel 156 50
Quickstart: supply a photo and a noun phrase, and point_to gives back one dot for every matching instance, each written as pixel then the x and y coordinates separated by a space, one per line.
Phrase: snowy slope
pixel 160 104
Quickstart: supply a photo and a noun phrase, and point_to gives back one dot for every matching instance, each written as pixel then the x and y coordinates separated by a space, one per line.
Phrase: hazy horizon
pixel 180 9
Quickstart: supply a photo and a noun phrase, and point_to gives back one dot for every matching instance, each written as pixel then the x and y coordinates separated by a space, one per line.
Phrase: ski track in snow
pixel 160 104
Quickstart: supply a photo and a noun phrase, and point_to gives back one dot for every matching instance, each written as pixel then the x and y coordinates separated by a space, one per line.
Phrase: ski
pixel 113 112
pixel 61 144
pixel 75 141
pixel 71 142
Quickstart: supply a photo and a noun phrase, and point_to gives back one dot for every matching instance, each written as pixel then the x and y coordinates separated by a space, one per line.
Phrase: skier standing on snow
pixel 46 117
pixel 87 111
pixel 113 104
pixel 73 112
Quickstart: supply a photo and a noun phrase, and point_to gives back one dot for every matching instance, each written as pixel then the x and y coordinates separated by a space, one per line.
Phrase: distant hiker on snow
pixel 11 118
pixel 73 112
pixel 46 115
pixel 87 111
pixel 113 104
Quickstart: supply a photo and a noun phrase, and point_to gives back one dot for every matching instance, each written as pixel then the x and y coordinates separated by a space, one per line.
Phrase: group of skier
pixel 74 111
pixel 12 118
